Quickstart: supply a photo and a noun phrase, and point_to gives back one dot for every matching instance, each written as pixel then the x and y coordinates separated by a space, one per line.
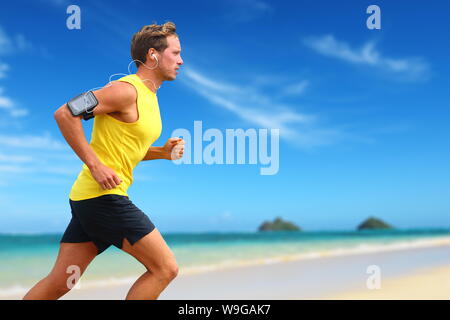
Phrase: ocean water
pixel 25 259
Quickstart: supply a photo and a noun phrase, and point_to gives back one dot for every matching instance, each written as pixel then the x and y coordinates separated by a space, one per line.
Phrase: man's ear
pixel 150 52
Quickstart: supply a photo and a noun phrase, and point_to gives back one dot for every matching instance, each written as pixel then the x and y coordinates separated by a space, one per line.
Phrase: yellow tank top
pixel 121 145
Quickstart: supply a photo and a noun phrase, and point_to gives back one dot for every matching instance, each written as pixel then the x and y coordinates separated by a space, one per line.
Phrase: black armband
pixel 83 104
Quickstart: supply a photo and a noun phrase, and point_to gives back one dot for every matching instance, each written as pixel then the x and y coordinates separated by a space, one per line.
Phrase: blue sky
pixel 363 114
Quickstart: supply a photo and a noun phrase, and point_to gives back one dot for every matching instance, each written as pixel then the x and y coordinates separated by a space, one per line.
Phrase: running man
pixel 126 123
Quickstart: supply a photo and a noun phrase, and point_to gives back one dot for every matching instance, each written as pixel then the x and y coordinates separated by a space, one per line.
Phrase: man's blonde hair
pixel 151 36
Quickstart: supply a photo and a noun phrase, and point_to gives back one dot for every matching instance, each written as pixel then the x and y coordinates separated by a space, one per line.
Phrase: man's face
pixel 170 59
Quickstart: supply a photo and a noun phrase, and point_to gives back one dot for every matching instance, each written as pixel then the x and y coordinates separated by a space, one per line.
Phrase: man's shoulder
pixel 119 92
pixel 115 97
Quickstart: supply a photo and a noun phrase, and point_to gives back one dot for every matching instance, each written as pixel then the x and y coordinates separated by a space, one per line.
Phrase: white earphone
pixel 156 65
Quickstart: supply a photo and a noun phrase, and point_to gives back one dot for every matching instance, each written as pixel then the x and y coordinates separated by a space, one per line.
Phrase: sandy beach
pixel 420 273
pixel 410 273
pixel 425 284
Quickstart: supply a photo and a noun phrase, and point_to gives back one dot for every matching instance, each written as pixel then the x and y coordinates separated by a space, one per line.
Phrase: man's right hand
pixel 105 176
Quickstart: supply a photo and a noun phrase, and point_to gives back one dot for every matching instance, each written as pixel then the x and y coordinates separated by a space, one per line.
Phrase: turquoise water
pixel 25 259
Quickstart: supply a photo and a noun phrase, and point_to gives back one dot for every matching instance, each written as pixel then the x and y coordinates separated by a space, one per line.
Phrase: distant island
pixel 278 225
pixel 374 223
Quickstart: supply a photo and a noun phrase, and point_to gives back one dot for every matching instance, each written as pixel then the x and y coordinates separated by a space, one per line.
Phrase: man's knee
pixel 167 272
pixel 173 271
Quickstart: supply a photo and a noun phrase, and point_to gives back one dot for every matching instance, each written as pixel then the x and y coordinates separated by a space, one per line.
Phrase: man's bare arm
pixel 72 130
pixel 114 98
pixel 173 149
pixel 154 153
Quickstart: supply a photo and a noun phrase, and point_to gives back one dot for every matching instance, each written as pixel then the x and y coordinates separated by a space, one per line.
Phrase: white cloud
pixel 3 68
pixel 21 163
pixel 263 111
pixel 18 112
pixel 32 142
pixel 22 43
pixel 36 156
pixel 408 68
pixel 7 104
pixel 6 45
pixel 10 168
pixel 17 43
pixel 58 170
pixel 15 158
pixel 296 88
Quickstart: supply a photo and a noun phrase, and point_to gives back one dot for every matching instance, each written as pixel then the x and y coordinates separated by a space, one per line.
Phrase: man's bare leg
pixel 153 252
pixel 55 285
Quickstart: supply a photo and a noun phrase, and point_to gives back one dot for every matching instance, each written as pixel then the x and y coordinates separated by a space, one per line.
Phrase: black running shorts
pixel 106 220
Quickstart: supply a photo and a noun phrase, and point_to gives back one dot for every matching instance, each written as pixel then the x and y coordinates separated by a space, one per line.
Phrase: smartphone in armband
pixel 83 104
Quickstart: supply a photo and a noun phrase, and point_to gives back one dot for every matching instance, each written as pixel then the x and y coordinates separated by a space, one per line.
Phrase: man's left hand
pixel 174 148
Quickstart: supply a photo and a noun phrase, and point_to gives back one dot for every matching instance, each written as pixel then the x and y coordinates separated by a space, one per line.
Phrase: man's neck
pixel 149 78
